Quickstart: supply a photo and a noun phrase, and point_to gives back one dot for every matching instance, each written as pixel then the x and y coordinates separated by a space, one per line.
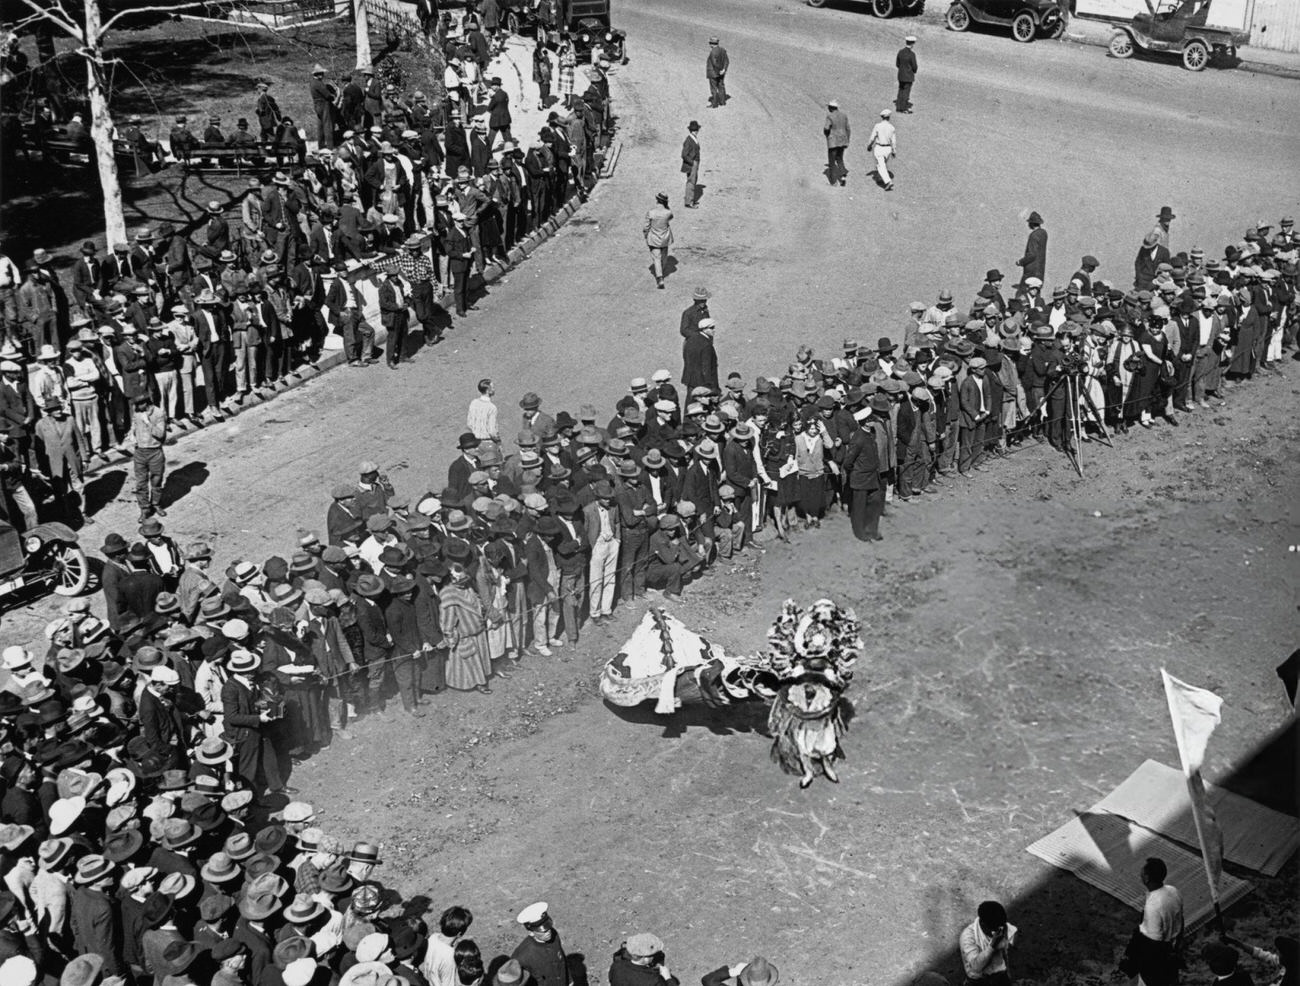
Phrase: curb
pixel 310 371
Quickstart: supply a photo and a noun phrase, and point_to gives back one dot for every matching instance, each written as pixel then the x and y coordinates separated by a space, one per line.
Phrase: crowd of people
pixel 403 199
pixel 142 751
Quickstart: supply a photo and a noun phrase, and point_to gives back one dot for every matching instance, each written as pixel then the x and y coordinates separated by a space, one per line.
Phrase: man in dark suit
pixel 976 409
pixel 96 926
pixel 1034 262
pixel 699 310
pixel 715 69
pixel 243 722
pixel 161 723
pixel 87 277
pixel 459 471
pixel 862 474
pixel 699 358
pixel 905 62
pixel 498 112
pixel 691 161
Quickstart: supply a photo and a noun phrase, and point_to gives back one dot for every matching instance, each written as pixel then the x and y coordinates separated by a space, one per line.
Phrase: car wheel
pixel 1023 28
pixel 71 570
pixel 882 8
pixel 1058 29
pixel 1121 45
pixel 1195 56
pixel 958 17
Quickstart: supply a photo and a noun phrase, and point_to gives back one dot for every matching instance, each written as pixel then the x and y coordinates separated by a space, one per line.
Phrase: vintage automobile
pixel 884 8
pixel 1027 19
pixel 1178 29
pixel 47 555
pixel 589 18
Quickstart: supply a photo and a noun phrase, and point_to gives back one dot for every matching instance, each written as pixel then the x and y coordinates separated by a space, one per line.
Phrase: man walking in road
pixel 1034 262
pixel 906 64
pixel 884 145
pixel 691 161
pixel 836 129
pixel 716 70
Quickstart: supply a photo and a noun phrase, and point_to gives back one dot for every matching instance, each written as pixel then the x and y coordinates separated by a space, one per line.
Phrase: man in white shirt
pixel 884 144
pixel 984 944
pixel 439 963
pixel 1152 952
pixel 481 419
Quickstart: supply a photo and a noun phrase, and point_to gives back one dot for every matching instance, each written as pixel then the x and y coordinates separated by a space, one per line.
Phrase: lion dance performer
pixel 813 651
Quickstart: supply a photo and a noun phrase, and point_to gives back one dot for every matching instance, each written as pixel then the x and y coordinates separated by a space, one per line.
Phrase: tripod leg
pixel 1076 426
pixel 1074 454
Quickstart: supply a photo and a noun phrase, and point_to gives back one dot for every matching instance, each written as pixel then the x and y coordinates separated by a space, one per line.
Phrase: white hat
pixel 18 970
pixel 661 376
pixel 885 114
pixel 15 657
pixel 668 407
pixel 532 913
pixel 910 39
pixel 429 506
pixel 833 103
pixel 63 813
pixel 163 675
pixel 707 323
pixel 1033 282
pixel 534 501
pixel 299 972
pixel 638 383
pixel 372 946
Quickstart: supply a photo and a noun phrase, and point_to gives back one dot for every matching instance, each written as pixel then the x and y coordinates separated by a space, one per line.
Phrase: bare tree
pixel 89 29
pixel 362 20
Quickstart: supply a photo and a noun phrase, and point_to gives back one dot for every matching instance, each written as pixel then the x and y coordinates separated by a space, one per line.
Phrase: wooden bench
pixel 57 146
pixel 237 160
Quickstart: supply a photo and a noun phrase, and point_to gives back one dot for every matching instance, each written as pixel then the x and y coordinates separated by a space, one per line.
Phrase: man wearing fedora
pixel 1161 229
pixel 96 925
pixel 1034 261
pixel 756 972
pixel 691 162
pixel 861 471
pixel 245 727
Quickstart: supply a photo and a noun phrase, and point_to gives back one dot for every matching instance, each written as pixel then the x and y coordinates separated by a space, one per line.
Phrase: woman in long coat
pixel 464 626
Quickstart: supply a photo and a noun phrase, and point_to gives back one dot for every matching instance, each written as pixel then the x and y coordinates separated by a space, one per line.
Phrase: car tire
pixel 1195 56
pixel 1058 29
pixel 72 571
pixel 1023 28
pixel 882 8
pixel 1121 45
pixel 958 18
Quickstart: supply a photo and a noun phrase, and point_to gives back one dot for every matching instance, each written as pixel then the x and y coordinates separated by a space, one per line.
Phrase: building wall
pixel 1276 25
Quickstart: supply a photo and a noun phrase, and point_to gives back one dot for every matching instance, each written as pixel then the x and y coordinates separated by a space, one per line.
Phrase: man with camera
pixel 245 723
pixel 984 945
pixel 641 962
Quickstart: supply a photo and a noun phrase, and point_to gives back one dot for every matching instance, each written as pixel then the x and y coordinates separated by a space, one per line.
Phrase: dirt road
pixel 1016 624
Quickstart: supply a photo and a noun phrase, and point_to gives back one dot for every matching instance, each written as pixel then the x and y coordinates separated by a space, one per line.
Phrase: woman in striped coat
pixel 463 624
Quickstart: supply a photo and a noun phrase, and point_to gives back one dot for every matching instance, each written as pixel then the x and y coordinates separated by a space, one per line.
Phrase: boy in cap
pixel 641 962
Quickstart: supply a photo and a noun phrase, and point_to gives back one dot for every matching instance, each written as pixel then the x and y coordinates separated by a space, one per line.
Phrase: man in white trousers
pixel 884 144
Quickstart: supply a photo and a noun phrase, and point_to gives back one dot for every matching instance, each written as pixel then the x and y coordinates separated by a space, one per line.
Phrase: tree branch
pixel 62 19
pixel 134 11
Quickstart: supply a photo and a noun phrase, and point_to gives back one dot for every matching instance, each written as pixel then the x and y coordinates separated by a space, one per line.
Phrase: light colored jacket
pixel 658 232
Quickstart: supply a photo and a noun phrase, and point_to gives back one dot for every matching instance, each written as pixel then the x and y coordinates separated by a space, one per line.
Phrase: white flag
pixel 1195 713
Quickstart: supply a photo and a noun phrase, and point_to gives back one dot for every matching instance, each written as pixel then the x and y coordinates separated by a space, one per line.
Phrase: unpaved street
pixel 1015 624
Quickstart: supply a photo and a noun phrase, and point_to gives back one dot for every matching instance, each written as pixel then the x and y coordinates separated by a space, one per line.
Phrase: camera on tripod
pixel 1072 363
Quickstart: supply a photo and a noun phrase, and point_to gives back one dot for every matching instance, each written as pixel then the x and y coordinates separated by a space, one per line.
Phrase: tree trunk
pixel 362 21
pixel 101 127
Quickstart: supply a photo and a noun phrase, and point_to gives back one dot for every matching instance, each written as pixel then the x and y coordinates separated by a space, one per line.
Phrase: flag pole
pixel 1196 796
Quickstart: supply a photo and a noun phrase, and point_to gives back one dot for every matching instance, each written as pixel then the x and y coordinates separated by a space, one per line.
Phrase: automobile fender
pixel 51 531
